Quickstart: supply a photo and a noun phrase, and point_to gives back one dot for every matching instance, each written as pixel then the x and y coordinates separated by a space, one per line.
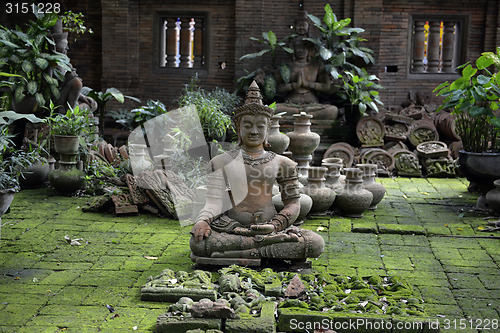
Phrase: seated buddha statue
pixel 70 90
pixel 308 77
pixel 251 228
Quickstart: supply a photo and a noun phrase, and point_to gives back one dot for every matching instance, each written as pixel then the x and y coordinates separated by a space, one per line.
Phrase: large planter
pixel 482 169
pixel 27 105
pixel 67 178
pixel 278 141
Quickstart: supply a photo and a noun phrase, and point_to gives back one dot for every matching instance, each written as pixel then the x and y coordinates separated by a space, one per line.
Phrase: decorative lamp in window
pixel 182 41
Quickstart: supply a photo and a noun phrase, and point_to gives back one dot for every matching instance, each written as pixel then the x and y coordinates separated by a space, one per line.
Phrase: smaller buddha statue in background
pixel 308 78
pixel 70 90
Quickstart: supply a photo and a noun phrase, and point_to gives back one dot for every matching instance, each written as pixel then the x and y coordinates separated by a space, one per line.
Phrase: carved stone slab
pixel 406 163
pixel 370 131
pixel 433 149
pixel 341 150
pixel 422 131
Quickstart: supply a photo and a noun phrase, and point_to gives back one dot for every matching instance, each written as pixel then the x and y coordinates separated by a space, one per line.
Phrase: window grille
pixel 435 46
pixel 182 42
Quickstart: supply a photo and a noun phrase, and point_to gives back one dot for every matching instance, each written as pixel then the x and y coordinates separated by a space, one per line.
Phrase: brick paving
pixel 424 230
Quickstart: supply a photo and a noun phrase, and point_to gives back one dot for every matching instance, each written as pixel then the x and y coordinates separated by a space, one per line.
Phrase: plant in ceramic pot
pixel 473 99
pixel 34 69
pixel 12 162
pixel 67 130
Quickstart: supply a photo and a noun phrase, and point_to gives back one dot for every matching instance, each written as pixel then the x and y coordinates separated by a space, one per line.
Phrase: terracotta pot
pixel 354 199
pixel 6 197
pixel 377 190
pixel 480 168
pixel 493 197
pixel 321 195
pixel 279 142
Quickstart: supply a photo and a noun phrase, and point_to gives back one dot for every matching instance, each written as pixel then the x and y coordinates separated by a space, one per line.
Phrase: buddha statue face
pixel 301 27
pixel 253 130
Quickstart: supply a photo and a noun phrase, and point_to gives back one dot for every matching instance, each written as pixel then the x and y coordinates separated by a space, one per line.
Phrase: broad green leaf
pixel 40 99
pixel 483 62
pixel 116 94
pixel 314 19
pixel 254 55
pixel 325 53
pixel 287 49
pixel 11 115
pixel 272 38
pixel 468 72
pixel 19 94
pixel 32 87
pixel 41 63
pixel 476 111
pixel 481 79
pixel 495 122
pixel 362 107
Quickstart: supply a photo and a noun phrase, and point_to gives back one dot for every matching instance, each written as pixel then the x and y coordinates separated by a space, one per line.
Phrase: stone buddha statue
pixel 250 228
pixel 307 78
pixel 70 90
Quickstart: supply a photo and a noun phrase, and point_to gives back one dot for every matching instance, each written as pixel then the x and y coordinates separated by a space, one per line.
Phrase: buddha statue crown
pixel 253 104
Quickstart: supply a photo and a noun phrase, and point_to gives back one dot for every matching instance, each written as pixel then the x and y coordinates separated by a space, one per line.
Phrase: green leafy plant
pixel 271 44
pixel 102 98
pixel 28 59
pixel 12 161
pixel 361 90
pixel 339 45
pixel 474 100
pixel 74 23
pixel 75 121
pixel 214 108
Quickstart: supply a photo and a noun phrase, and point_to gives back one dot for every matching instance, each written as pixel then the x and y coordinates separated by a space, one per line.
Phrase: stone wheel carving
pixel 370 131
pixel 423 132
pixel 396 132
pixel 406 163
pixel 381 158
pixel 341 150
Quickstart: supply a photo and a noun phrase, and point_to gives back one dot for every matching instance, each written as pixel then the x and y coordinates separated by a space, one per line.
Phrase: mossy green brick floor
pixel 424 230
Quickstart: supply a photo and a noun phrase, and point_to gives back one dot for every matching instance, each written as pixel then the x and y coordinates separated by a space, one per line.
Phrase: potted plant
pixel 67 130
pixel 361 91
pixel 12 162
pixel 33 68
pixel 473 99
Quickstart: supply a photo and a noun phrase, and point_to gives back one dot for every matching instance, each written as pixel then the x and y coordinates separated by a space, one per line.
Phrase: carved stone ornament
pixel 406 163
pixel 396 132
pixel 343 151
pixel 422 132
pixel 370 131
pixel 433 149
pixel 383 160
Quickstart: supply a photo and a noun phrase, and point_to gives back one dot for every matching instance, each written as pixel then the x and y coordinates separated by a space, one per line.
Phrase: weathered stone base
pixel 225 261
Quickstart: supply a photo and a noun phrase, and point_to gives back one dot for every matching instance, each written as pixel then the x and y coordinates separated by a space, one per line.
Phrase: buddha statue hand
pixel 255 229
pixel 201 230
pixel 263 240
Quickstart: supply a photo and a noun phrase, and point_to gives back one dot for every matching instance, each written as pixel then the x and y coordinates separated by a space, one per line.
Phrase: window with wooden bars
pixel 436 44
pixel 182 41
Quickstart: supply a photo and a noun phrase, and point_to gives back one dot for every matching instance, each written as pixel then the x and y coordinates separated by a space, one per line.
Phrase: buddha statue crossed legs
pixel 251 228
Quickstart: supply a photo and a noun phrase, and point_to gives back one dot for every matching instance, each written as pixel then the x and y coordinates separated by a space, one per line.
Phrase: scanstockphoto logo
pixel 172 147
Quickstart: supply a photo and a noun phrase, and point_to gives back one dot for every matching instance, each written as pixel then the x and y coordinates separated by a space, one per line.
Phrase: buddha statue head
pixel 253 119
pixel 301 24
